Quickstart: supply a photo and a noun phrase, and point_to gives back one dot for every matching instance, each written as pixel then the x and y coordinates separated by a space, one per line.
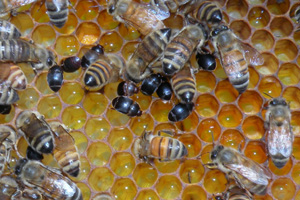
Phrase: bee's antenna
pixel 268 95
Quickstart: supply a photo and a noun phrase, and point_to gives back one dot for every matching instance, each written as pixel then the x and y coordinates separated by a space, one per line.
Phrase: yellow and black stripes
pixel 7 95
pixel 58 12
pixel 209 12
pixel 8 30
pixel 17 78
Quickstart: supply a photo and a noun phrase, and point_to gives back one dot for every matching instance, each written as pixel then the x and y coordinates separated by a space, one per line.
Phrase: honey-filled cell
pixel 38 13
pixel 270 65
pixel 277 8
pixel 85 169
pixel 147 194
pixel 256 150
pixel 101 179
pixel 215 181
pixel 192 144
pixel 122 163
pixel 250 102
pixel 205 81
pixel 106 21
pixel 103 196
pixel 23 22
pixel 282 171
pixel 110 90
pixel 95 103
pixel 111 42
pixel 22 145
pixel 175 22
pixel 144 175
pixel 71 92
pixel 72 75
pixel 74 117
pixel 81 141
pixel 225 92
pixel 241 29
pixel 254 78
pixel 219 71
pixel 207 105
pixel 97 128
pixel 283 189
pixel 292 96
pixel 98 153
pixel 297 197
pixel 70 25
pixel 143 100
pixel 262 40
pixel 205 154
pixel 128 32
pixel 230 116
pixel 88 33
pixel 237 8
pixel 253 128
pixel 116 118
pixel 281 27
pixel 85 190
pixel 142 123
pixel 168 187
pixel 209 130
pixel 124 188
pixel 295 123
pixel 191 171
pixel 50 161
pixel 296 173
pixel 163 107
pixel 285 50
pixel 256 2
pixel 120 138
pixel 44 35
pixel 296 37
pixel 87 10
pixel 193 192
pixel 188 124
pixel 167 167
pixel 42 85
pixel 271 86
pixel 66 45
pixel 288 74
pixel 49 106
pixel 28 98
pixel 7 118
pixel 28 71
pixel 296 148
pixel 128 49
pixel 232 138
pixel 258 17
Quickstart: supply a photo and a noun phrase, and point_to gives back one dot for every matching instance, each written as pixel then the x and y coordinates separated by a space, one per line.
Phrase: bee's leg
pixel 211 165
pixel 189 177
pixel 240 184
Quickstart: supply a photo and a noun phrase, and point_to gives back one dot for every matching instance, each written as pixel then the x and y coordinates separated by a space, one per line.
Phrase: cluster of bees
pixel 161 64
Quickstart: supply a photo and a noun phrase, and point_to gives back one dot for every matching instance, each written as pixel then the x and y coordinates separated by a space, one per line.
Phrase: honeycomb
pixel 104 136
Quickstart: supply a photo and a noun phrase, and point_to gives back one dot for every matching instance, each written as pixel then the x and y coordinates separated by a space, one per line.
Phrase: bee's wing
pixel 159 9
pixel 251 171
pixel 3 136
pixel 231 62
pixel 252 56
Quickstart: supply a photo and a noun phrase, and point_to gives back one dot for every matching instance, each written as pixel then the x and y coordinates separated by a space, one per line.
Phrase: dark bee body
pixel 235 56
pixel 180 112
pixel 181 47
pixel 7 95
pixel 31 154
pixel 36 131
pixel 206 61
pixel 18 50
pixel 127 88
pixel 55 78
pixel 164 91
pixel 8 31
pixel 7 142
pixel 5 109
pixel 150 84
pixel 92 55
pixel 248 174
pixel 280 136
pixel 49 182
pixel 8 188
pixel 58 12
pixel 147 52
pixel 71 64
pixel 126 106
pixel 65 151
pixel 184 85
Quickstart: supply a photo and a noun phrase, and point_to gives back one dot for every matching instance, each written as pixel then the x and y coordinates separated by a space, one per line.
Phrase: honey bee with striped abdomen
pixel 248 174
pixel 235 56
pixel 8 30
pixel 65 151
pixel 280 136
pixel 36 131
pixel 160 147
pixel 47 180
pixel 13 76
pixel 7 95
pixel 8 139
pixel 8 188
pixel 58 12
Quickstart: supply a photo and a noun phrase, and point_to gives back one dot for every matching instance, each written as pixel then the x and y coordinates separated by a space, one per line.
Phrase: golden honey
pixel 98 153
pixel 49 106
pixel 168 187
pixel 191 171
pixel 124 188
pixel 122 163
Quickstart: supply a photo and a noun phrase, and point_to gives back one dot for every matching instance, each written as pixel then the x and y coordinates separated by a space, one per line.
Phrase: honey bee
pixel 127 88
pixel 7 95
pixel 8 31
pixel 48 181
pixel 145 18
pixel 280 136
pixel 184 85
pixel 71 64
pixel 92 55
pixel 147 52
pixel 58 12
pixel 36 131
pixel 206 60
pixel 181 47
pixel 173 5
pixel 8 188
pixel 13 76
pixel 7 142
pixel 31 154
pixel 126 106
pixel 295 13
pixel 65 151
pixel 55 78
pixel 101 72
pixel 248 174
pixel 19 50
pixel 9 5
pixel 160 147
pixel 234 56
pixel 180 111
pixel 29 194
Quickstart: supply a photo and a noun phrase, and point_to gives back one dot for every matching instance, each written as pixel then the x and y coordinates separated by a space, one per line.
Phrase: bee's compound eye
pixel 111 9
pixel 224 27
pixel 214 155
pixel 283 103
pixel 215 32
pixel 49 61
pixel 273 102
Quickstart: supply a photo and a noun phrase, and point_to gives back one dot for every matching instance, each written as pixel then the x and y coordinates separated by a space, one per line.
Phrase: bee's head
pixel 218 30
pixel 214 154
pixel 19 166
pixel 278 101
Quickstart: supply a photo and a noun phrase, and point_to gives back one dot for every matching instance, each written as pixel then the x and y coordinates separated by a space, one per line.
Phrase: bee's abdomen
pixel 3 155
pixel 279 160
pixel 209 12
pixel 8 95
pixel 69 161
pixel 58 16
pixel 8 31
